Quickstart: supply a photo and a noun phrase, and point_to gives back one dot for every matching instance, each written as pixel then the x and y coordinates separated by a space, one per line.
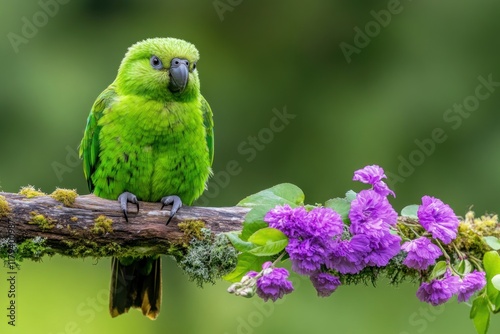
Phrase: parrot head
pixel 160 68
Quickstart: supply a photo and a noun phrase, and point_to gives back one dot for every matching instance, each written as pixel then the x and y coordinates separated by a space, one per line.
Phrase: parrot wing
pixel 89 147
pixel 208 122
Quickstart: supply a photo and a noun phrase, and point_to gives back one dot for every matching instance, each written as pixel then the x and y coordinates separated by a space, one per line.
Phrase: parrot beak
pixel 179 75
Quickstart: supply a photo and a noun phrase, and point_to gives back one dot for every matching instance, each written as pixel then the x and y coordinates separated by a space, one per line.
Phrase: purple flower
pixel 309 233
pixel 440 291
pixel 307 255
pixel 286 219
pixel 376 229
pixel 369 174
pixel 273 283
pixel 324 283
pixel 250 274
pixel 373 175
pixel 471 283
pixel 438 219
pixel 421 253
pixel 370 207
pixel 383 189
pixel 347 256
pixel 382 249
pixel 323 222
pixel 301 224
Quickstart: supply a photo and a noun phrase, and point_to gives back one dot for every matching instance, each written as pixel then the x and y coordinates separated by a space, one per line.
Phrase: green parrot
pixel 149 137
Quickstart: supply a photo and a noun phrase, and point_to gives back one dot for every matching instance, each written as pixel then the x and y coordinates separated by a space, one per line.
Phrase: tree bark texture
pixel 98 222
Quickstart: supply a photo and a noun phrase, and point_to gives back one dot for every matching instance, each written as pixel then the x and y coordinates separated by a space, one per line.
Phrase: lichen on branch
pixel 88 226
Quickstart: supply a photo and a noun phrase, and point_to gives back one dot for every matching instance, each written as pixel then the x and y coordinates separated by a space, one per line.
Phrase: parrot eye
pixel 156 63
pixel 194 66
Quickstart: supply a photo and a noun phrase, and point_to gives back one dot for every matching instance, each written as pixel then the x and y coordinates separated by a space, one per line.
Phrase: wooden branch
pixel 84 229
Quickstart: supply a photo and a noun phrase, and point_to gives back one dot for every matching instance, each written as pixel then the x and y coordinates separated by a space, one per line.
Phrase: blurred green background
pixel 257 57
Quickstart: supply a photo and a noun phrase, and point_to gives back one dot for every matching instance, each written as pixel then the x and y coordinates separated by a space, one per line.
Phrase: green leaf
pixel 493 242
pixel 246 262
pixel 439 269
pixel 410 211
pixel 265 200
pixel 269 249
pixel 480 314
pixel 463 267
pixel 284 193
pixel 267 235
pixel 350 195
pixel 270 241
pixel 495 280
pixel 240 245
pixel 491 263
pixel 252 224
pixel 341 206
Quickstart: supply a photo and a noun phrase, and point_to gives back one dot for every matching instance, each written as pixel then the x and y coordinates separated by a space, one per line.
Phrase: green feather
pixel 153 141
pixel 89 147
pixel 208 122
pixel 142 138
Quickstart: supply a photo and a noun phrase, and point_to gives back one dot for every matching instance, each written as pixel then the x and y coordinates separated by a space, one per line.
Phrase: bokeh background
pixel 367 108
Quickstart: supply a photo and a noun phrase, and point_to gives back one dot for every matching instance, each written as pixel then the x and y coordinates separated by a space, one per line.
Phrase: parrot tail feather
pixel 135 283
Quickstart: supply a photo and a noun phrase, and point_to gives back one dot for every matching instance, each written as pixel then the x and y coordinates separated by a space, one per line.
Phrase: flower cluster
pixel 270 283
pixel 372 217
pixel 319 245
pixel 322 247
pixel 311 235
pixel 273 283
pixel 373 175
pixel 422 253
pixel 438 219
pixel 439 291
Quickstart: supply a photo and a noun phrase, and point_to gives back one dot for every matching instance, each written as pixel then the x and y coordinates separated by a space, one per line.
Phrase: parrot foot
pixel 125 198
pixel 176 204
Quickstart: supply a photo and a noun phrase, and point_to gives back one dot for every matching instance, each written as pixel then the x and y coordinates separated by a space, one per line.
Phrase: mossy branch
pixel 82 226
pixel 36 224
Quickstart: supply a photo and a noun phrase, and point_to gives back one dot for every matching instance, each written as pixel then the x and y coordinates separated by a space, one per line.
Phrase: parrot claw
pixel 176 205
pixel 125 198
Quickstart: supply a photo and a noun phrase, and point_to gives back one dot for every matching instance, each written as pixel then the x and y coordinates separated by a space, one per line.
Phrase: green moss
pixel 4 207
pixel 40 220
pixel 89 248
pixel 65 196
pixel 191 229
pixel 208 258
pixel 79 248
pixel 471 232
pixel 82 248
pixel 33 249
pixel 178 251
pixel 102 225
pixel 74 220
pixel 30 192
